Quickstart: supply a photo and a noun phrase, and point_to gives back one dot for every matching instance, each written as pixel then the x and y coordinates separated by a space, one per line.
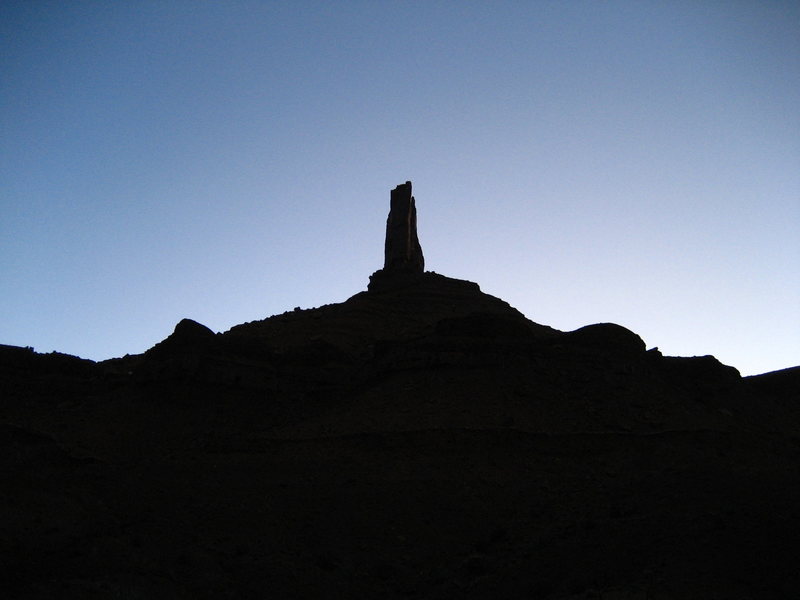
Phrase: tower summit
pixel 403 251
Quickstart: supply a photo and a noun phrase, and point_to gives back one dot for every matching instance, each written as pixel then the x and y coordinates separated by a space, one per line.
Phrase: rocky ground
pixel 420 440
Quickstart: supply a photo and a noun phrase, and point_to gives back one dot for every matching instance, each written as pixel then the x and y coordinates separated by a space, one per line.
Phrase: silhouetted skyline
pixel 586 162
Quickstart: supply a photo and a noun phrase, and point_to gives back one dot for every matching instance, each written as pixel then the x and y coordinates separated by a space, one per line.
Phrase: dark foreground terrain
pixel 421 440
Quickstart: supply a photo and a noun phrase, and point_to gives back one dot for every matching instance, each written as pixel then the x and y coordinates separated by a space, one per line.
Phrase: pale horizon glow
pixel 626 162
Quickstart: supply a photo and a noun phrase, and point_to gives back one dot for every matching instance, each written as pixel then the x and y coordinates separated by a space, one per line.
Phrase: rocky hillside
pixel 420 440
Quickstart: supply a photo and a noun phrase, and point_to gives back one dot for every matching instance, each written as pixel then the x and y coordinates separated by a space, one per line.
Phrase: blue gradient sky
pixel 632 162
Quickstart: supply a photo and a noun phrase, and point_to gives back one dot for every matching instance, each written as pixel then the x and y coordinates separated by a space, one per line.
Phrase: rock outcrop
pixel 403 251
pixel 404 263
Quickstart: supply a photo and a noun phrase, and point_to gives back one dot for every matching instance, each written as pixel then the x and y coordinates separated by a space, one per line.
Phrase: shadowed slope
pixel 419 440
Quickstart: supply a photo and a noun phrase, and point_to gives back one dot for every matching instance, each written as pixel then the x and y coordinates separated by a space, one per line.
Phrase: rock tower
pixel 403 252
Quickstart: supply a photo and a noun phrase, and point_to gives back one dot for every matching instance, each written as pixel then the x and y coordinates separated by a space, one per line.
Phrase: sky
pixel 627 162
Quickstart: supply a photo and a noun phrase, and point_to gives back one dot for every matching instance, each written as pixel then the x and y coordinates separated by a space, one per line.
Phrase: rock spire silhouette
pixel 403 251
